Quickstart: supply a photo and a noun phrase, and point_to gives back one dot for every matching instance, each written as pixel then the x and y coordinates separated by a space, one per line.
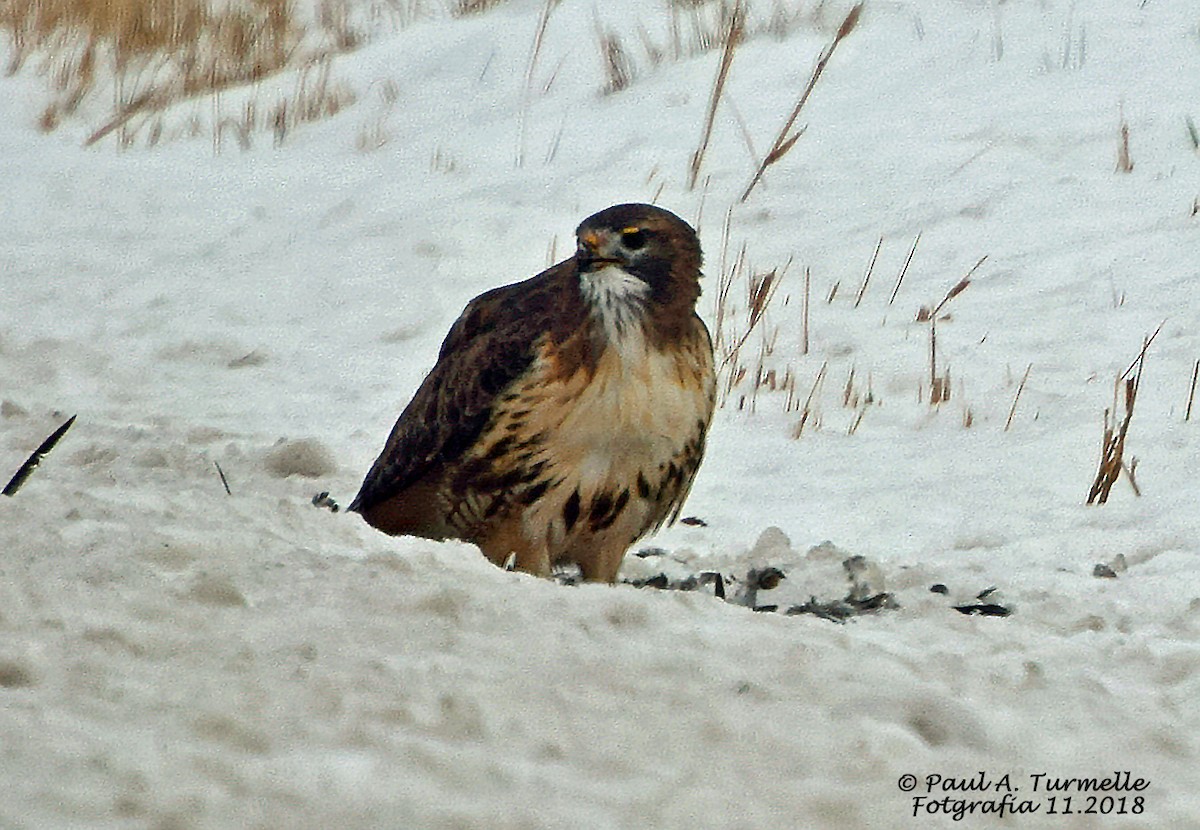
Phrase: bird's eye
pixel 633 238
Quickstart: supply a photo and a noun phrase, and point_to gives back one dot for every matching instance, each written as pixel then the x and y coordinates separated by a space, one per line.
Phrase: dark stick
pixel 224 480
pixel 31 463
pixel 1192 394
pixel 904 270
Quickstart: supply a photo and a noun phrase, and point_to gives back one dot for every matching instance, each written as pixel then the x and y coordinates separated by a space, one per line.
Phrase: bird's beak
pixel 593 252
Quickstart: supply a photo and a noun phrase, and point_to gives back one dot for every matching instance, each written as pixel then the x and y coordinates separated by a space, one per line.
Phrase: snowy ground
pixel 175 657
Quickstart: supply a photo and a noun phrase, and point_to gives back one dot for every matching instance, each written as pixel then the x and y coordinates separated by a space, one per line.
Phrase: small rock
pixel 322 499
pixel 1110 570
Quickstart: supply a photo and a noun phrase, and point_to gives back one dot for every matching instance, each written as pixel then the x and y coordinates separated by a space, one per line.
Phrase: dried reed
pixel 1112 448
pixel 1020 388
pixel 939 386
pixel 732 38
pixel 786 138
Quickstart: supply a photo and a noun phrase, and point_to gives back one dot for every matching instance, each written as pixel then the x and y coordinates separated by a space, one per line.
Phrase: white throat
pixel 617 299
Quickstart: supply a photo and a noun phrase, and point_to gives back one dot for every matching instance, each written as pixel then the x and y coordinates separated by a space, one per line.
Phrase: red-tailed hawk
pixel 566 415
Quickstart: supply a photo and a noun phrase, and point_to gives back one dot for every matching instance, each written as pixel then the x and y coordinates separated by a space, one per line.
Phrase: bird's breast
pixel 599 423
pixel 638 403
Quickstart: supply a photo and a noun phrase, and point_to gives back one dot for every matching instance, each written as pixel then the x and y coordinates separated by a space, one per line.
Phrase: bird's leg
pixel 534 560
pixel 505 542
pixel 600 562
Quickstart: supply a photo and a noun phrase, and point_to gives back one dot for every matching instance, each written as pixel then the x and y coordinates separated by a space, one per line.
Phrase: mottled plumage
pixel 566 415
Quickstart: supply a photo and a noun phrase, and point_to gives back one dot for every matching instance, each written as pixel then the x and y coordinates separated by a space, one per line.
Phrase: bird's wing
pixel 491 345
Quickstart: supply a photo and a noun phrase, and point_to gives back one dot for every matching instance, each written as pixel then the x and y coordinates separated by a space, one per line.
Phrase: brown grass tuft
pixel 939 385
pixel 1124 159
pixel 466 8
pixel 618 67
pixel 156 53
pixel 807 414
pixel 728 342
pixel 1112 448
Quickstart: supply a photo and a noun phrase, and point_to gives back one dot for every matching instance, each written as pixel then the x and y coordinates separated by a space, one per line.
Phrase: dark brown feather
pixel 489 347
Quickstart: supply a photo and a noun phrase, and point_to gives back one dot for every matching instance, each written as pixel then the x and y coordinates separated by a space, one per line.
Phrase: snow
pixel 175 657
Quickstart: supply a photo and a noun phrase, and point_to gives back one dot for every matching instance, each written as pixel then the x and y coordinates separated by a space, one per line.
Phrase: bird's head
pixel 646 242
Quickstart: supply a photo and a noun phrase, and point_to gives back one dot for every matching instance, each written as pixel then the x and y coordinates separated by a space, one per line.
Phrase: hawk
pixel 566 415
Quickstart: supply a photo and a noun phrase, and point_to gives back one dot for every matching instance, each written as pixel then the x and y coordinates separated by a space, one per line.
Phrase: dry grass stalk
pixel 1112 448
pixel 939 386
pixel 848 390
pixel 761 289
pixel 539 37
pixel 721 335
pixel 858 419
pixel 618 68
pixel 703 36
pixel 743 130
pixel 1124 160
pixel 732 38
pixel 764 377
pixel 959 287
pixel 699 26
pixel 904 269
pixel 806 411
pixel 786 139
pixel 535 51
pixel 1020 388
pixel 807 303
pixel 789 385
pixel 862 289
pixel 1131 475
pixel 1192 391
pixel 726 230
pixel 724 287
pixel 465 8
pixel 1113 445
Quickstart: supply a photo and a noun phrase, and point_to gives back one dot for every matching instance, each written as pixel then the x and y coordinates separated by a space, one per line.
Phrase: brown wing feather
pixel 676 482
pixel 488 348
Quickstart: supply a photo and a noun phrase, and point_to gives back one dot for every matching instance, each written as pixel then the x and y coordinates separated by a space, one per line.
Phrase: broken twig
pixel 31 463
